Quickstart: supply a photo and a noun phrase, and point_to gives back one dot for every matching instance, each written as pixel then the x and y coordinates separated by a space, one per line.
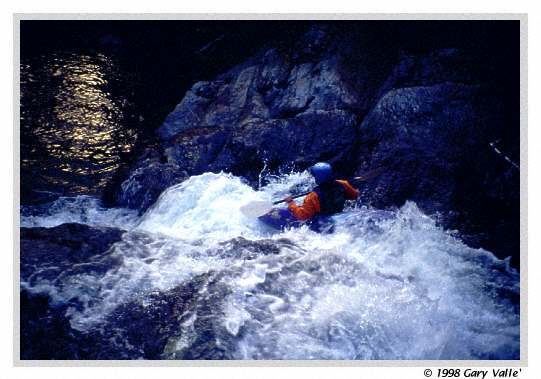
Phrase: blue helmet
pixel 322 172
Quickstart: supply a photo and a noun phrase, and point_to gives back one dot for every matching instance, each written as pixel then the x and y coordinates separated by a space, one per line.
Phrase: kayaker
pixel 327 198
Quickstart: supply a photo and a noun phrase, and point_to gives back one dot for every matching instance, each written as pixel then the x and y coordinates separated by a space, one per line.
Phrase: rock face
pixel 359 103
pixel 282 107
pixel 286 106
pixel 432 128
pixel 139 186
pixel 420 134
pixel 45 254
pixel 145 327
pixel 64 246
pixel 146 183
pixel 434 142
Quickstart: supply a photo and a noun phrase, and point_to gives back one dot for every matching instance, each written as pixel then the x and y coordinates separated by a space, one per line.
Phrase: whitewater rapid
pixel 384 285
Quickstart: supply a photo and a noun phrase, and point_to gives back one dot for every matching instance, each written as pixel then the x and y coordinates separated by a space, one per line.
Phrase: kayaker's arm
pixel 351 192
pixel 309 208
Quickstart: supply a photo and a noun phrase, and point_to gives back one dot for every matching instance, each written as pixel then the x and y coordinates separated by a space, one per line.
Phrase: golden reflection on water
pixel 82 130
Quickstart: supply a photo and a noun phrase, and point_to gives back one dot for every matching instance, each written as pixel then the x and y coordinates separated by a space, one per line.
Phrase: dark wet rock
pixel 419 134
pixel 272 85
pixel 45 331
pixel 434 143
pixel 185 115
pixel 139 184
pixel 138 329
pixel 294 106
pixel 206 336
pixel 151 327
pixel 46 253
pixel 145 325
pixel 147 182
pixel 196 149
pixel 440 66
pixel 53 250
pixel 242 248
pixel 358 100
pixel 282 107
pixel 32 197
pixel 46 334
pixel 260 90
pixel 300 141
pixel 148 327
pixel 287 106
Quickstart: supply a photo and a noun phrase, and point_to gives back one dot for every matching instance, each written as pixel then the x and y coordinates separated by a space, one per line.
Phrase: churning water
pixel 384 285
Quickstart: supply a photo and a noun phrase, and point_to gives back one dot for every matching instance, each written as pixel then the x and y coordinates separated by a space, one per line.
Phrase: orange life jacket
pixel 330 200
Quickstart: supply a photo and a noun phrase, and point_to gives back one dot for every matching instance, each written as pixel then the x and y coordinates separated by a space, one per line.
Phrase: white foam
pixel 384 285
pixel 203 207
pixel 81 209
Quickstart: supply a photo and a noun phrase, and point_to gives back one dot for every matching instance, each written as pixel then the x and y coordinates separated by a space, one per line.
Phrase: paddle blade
pixel 369 175
pixel 256 208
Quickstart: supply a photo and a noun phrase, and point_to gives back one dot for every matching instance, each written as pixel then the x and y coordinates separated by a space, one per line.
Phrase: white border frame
pixel 523 18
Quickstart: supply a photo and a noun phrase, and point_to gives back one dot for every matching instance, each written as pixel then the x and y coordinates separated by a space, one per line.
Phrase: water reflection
pixel 76 121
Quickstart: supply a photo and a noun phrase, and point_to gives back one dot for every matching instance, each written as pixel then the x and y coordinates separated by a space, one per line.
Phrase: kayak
pixel 281 219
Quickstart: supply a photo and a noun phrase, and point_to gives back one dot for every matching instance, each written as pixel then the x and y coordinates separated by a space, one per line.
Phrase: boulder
pixel 145 184
pixel 46 253
pixel 138 184
pixel 283 107
pixel 434 144
pixel 52 250
pixel 287 106
pixel 359 103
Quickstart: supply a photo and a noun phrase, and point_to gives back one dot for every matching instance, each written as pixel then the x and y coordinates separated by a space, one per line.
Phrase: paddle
pixel 259 208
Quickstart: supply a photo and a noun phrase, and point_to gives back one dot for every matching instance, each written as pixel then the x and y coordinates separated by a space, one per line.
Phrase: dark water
pixel 78 117
pixel 86 86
